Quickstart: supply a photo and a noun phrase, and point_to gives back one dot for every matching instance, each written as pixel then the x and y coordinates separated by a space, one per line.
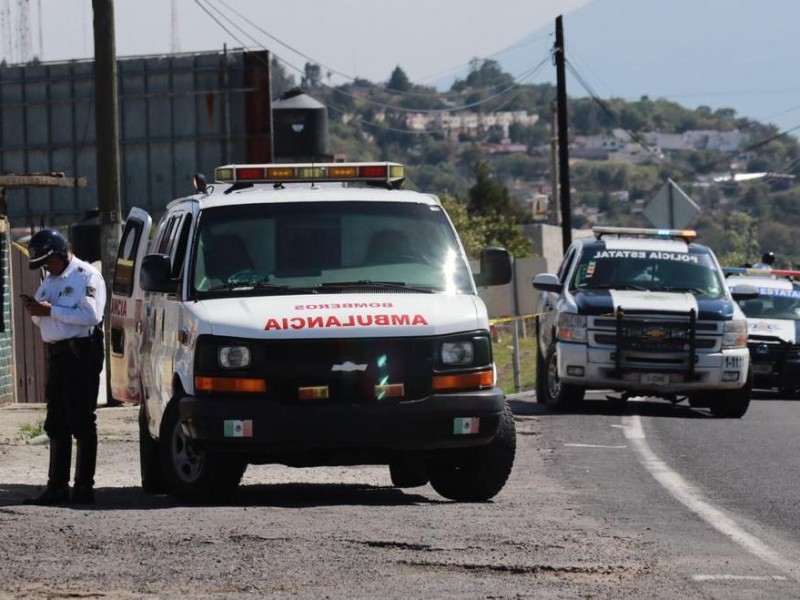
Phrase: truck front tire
pixel 558 396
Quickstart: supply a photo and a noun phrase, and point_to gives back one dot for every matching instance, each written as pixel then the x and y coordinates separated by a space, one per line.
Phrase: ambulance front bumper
pixel 257 425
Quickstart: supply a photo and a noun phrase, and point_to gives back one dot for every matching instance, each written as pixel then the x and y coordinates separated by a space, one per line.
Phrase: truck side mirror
pixel 547 282
pixel 744 291
pixel 495 267
pixel 156 274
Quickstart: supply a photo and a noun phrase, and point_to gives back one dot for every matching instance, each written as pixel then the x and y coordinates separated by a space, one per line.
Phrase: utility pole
pixel 552 213
pixel 563 138
pixel 107 147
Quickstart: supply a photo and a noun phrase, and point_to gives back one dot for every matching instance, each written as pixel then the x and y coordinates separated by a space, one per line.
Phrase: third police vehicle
pixel 773 319
pixel 642 312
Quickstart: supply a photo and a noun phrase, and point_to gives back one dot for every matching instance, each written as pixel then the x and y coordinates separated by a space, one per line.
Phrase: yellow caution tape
pixel 509 319
pixel 20 247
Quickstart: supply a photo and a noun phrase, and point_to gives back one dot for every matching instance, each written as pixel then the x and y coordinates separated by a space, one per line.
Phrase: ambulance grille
pixel 349 368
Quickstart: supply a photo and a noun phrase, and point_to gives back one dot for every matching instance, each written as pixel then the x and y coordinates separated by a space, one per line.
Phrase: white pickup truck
pixel 642 312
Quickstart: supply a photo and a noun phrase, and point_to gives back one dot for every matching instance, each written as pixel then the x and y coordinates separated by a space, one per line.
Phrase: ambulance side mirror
pixel 156 274
pixel 495 267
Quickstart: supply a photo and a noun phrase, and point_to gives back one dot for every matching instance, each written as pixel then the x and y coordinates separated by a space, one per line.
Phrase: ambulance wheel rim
pixel 188 463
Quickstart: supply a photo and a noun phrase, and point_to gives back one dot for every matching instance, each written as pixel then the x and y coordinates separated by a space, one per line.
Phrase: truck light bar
pixel 760 272
pixel 388 173
pixel 688 235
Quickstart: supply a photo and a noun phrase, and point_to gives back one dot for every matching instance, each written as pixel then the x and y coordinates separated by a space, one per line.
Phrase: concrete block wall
pixel 6 343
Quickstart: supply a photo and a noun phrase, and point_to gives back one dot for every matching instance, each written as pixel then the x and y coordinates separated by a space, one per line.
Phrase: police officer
pixel 68 309
pixel 767 260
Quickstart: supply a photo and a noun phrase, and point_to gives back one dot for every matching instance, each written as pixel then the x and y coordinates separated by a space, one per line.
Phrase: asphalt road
pixel 643 501
pixel 718 496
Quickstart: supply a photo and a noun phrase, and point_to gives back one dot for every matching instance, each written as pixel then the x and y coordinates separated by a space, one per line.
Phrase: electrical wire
pixel 606 109
pixel 327 68
pixel 382 105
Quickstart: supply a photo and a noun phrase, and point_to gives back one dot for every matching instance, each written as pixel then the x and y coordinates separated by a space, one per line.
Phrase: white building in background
pixel 469 123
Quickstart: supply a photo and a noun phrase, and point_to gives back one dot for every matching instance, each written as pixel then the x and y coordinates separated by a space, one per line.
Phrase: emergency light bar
pixel 688 235
pixel 387 173
pixel 760 272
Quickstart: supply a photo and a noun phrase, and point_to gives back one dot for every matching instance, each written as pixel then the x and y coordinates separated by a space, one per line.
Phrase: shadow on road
pixel 284 495
pixel 601 406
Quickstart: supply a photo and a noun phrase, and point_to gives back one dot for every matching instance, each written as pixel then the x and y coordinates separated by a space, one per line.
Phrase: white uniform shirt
pixel 78 299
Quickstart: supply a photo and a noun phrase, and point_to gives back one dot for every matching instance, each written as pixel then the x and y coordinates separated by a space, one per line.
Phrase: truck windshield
pixel 327 247
pixel 773 303
pixel 654 270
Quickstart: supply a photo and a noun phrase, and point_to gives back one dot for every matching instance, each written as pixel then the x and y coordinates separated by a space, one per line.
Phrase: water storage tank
pixel 85 236
pixel 300 128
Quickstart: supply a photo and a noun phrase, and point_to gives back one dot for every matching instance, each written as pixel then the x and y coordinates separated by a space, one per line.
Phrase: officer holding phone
pixel 68 309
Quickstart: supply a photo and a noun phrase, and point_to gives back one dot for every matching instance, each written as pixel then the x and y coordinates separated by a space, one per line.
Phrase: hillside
pixel 652 140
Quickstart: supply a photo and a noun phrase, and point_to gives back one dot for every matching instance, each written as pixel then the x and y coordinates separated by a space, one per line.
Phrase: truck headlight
pixel 459 353
pixel 734 334
pixel 234 357
pixel 571 327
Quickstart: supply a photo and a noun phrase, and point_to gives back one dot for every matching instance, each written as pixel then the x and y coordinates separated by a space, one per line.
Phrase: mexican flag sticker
pixel 239 428
pixel 466 425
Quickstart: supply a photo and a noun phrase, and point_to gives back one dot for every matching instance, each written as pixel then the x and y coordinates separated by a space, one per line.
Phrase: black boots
pixel 57 491
pixel 85 464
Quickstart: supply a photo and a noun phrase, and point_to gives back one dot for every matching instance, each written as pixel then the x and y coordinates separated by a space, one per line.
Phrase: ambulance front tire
pixel 193 473
pixel 149 457
pixel 408 471
pixel 476 474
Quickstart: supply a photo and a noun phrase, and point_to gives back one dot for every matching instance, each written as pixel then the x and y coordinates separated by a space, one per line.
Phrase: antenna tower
pixel 176 44
pixel 24 46
pixel 5 32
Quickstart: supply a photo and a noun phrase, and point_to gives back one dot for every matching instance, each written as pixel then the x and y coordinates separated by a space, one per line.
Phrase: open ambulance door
pixel 126 309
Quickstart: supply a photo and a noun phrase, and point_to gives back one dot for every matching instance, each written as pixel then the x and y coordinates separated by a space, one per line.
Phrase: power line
pixel 382 105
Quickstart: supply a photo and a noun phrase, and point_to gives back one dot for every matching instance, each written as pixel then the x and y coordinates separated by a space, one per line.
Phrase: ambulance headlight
pixel 234 357
pixel 458 353
pixel 734 334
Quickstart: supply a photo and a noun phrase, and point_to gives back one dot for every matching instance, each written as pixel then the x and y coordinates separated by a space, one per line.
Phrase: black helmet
pixel 768 257
pixel 44 243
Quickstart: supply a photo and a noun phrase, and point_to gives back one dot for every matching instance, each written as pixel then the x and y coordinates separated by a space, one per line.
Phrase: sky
pixel 738 54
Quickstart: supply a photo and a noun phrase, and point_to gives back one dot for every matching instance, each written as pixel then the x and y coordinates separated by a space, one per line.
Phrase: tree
pixel 484 231
pixel 739 244
pixel 398 82
pixel 488 195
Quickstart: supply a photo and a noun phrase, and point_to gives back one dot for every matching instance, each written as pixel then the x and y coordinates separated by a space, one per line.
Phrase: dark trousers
pixel 73 382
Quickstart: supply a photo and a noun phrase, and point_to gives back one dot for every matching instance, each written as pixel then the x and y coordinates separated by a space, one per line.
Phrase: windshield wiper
pixel 615 286
pixel 262 286
pixel 679 288
pixel 388 285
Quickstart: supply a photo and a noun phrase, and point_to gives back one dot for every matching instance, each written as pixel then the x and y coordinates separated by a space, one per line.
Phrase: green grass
pixel 31 431
pixel 502 347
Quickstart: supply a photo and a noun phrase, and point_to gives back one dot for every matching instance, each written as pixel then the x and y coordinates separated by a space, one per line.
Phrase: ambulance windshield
pixel 327 247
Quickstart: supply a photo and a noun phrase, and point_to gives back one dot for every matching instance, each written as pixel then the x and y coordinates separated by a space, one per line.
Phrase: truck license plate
pixel 655 378
pixel 762 369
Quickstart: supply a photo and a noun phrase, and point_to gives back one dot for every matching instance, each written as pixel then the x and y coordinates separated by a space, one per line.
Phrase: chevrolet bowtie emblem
pixel 348 367
pixel 655 333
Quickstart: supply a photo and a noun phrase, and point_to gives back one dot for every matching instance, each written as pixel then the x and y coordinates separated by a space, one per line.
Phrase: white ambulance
pixel 287 314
